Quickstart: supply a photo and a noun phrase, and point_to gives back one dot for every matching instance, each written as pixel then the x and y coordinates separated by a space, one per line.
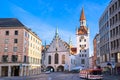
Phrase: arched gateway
pixel 60 68
pixel 50 68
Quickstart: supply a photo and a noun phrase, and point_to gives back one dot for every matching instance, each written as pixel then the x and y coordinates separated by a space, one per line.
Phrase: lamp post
pixel 113 64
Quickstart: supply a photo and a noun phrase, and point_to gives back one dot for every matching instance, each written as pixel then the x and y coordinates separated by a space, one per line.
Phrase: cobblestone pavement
pixel 58 76
pixel 51 76
pixel 111 77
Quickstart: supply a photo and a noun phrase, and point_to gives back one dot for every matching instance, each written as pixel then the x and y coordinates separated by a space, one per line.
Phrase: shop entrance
pixel 4 71
pixel 15 70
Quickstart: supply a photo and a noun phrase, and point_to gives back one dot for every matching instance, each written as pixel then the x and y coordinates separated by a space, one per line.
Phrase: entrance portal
pixel 15 70
pixel 50 68
pixel 4 71
pixel 60 68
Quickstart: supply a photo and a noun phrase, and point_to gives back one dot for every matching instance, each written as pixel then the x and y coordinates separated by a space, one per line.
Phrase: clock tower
pixel 82 35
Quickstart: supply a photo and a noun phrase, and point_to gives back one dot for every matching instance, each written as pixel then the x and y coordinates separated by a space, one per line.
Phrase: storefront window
pixel 118 57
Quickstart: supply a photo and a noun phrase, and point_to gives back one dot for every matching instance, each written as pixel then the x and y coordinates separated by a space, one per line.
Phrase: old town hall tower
pixel 82 35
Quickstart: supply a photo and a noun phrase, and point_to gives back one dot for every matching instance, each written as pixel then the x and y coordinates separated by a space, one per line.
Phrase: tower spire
pixel 82 16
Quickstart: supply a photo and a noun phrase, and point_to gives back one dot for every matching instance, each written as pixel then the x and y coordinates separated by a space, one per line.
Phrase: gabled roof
pixel 10 22
pixel 82 30
pixel 73 50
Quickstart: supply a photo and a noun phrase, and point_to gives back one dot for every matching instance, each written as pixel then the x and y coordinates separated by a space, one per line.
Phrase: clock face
pixel 82 37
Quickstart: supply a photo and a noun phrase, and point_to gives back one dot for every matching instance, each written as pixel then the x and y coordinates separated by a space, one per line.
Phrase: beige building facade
pixel 20 49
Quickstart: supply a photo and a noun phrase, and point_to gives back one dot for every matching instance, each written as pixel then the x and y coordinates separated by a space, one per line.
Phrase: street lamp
pixel 113 64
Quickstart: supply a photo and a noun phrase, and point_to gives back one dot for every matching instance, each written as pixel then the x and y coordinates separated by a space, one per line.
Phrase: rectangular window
pixel 16 32
pixel 80 40
pixel 110 22
pixel 117 41
pixel 25 58
pixel 82 61
pixel 116 18
pixel 80 50
pixel 111 45
pixel 5 58
pixel 5 49
pixel 80 45
pixel 14 58
pixel 15 49
pixel 114 32
pixel 84 40
pixel 15 40
pixel 49 59
pixel 7 33
pixel 80 55
pixel 113 20
pixel 119 3
pixel 6 41
pixel 63 59
pixel 117 30
pixel 112 8
pixel 25 34
pixel 85 55
pixel 115 5
pixel 119 16
pixel 110 33
pixel 110 11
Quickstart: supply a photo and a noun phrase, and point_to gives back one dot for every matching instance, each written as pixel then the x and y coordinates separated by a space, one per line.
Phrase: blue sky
pixel 43 16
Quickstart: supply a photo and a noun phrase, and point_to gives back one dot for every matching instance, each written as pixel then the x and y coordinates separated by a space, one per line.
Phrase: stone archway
pixel 60 68
pixel 50 68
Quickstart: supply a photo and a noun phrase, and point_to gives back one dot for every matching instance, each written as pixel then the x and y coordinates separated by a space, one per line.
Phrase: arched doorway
pixel 50 68
pixel 60 68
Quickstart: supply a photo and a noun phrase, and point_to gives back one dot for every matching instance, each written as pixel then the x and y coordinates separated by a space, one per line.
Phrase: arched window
pixel 49 59
pixel 63 59
pixel 56 58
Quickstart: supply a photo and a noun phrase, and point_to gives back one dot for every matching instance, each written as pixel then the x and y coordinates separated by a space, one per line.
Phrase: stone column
pixel 25 71
pixel 0 71
pixel 21 71
pixel 9 71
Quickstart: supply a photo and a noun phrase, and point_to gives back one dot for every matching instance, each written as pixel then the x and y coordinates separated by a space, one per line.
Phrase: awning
pixel 109 64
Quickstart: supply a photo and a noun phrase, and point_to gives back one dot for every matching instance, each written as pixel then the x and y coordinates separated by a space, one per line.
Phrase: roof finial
pixel 70 41
pixel 82 16
pixel 56 32
pixel 45 45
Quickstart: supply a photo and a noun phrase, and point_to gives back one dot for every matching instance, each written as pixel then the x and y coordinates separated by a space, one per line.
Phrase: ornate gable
pixel 59 45
pixel 73 50
pixel 82 30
